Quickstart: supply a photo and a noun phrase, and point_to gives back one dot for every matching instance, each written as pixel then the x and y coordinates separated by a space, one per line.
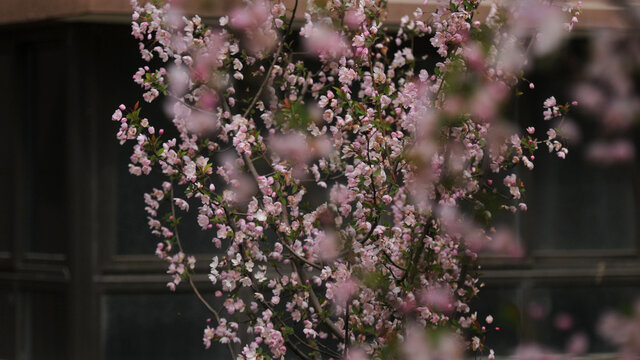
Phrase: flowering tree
pixel 349 180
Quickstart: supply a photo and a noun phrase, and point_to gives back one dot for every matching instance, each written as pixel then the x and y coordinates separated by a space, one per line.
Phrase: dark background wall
pixel 78 279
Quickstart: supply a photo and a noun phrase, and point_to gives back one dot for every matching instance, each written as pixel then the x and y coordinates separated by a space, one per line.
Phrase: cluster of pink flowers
pixel 574 10
pixel 340 197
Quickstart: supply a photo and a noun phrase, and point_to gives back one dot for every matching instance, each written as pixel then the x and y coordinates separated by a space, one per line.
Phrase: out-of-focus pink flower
pixel 249 17
pixel 578 344
pixel 324 42
pixel 620 114
pixel 202 124
pixel 536 310
pixel 544 18
pixel 608 153
pixel 178 80
pixel 356 354
pixel 563 321
pixel 343 291
pixel 326 247
pixel 623 332
pixel 440 299
pixel 420 345
pixel 354 17
pixel 591 98
pixel 570 131
pixel 504 242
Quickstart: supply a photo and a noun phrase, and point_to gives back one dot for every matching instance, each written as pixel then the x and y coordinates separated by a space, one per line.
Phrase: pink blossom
pixel 400 146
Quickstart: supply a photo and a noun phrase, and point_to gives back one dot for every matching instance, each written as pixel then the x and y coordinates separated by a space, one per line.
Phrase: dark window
pixel 42 109
pixel 156 326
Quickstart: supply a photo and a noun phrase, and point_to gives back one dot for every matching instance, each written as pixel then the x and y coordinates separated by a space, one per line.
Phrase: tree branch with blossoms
pixel 378 193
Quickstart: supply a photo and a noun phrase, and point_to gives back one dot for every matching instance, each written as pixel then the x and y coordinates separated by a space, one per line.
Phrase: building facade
pixel 78 278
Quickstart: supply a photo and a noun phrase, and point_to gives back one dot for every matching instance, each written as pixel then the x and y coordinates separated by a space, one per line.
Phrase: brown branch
pixel 316 303
pixel 370 232
pixel 191 283
pixel 312 264
pixel 346 330
pixel 392 262
pixel 295 349
pixel 326 350
pixel 265 81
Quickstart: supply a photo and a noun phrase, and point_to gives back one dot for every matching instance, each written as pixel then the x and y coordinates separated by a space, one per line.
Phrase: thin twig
pixel 316 303
pixel 326 352
pixel 312 264
pixel 346 330
pixel 391 261
pixel 191 283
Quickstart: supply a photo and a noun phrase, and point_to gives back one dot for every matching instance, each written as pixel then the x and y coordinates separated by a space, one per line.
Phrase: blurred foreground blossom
pixel 624 332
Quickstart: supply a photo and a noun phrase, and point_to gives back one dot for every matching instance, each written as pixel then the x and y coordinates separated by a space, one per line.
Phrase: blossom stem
pixel 267 76
pixel 316 303
pixel 191 283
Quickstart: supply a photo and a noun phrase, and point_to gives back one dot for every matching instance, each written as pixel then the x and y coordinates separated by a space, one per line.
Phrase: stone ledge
pixel 596 13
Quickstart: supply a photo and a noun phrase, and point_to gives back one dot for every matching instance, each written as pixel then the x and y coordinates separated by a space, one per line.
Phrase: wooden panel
pixel 156 326
pixel 13 11
pixel 7 147
pixel 7 323
pixel 45 173
pixel 596 14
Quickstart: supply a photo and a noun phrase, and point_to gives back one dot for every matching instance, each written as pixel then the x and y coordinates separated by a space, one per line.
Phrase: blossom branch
pixel 191 283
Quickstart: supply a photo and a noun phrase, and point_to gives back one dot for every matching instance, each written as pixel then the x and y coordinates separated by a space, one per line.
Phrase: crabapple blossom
pixel 339 193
